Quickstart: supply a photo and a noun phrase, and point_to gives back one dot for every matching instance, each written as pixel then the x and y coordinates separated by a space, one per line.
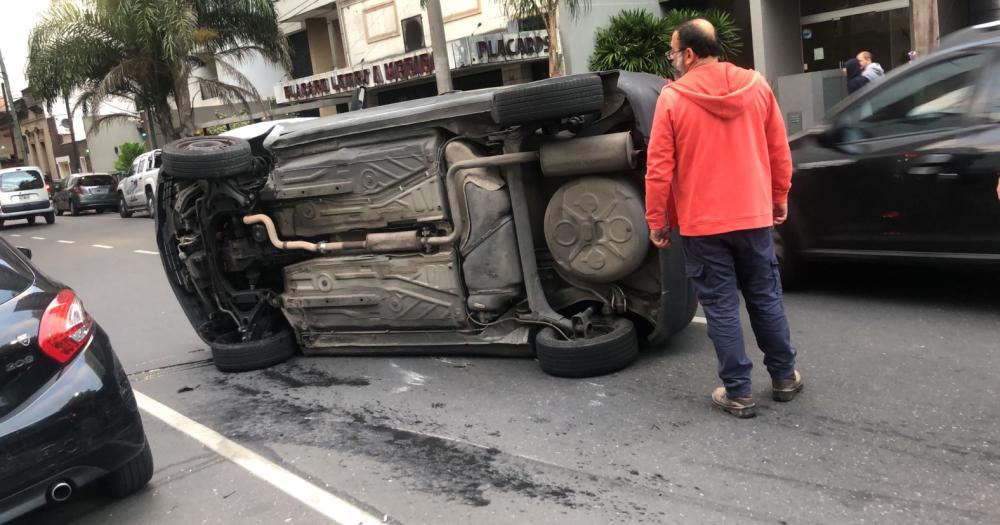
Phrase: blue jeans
pixel 719 265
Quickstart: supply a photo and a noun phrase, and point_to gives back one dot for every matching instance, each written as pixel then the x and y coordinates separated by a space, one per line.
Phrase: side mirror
pixel 25 251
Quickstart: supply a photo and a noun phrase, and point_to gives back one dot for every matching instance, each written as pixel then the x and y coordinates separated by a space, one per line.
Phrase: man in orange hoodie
pixel 719 156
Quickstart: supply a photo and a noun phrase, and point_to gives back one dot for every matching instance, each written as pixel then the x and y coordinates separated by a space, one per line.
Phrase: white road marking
pixel 39 238
pixel 15 235
pixel 146 252
pixel 67 242
pixel 699 320
pixel 102 246
pixel 334 508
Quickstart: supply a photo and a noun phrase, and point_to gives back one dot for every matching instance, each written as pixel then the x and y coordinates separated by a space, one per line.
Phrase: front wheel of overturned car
pixel 610 347
pixel 207 157
pixel 131 476
pixel 255 355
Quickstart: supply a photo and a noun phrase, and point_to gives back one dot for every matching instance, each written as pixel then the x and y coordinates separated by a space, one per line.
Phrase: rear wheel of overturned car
pixel 207 157
pixel 610 347
pixel 553 98
pixel 254 355
pixel 131 476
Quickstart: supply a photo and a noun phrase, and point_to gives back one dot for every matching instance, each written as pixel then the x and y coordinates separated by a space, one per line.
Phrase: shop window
pixel 413 33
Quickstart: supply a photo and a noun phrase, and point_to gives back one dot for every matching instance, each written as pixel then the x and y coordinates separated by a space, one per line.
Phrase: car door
pixel 132 183
pixel 877 188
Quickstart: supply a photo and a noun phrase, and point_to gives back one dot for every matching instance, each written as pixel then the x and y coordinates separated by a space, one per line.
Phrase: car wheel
pixel 790 265
pixel 123 208
pixel 50 218
pixel 207 157
pixel 255 355
pixel 151 206
pixel 99 211
pixel 32 220
pixel 59 211
pixel 553 98
pixel 73 210
pixel 1 224
pixel 131 476
pixel 611 347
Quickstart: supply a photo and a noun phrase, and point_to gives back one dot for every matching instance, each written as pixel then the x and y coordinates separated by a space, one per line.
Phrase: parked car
pixel 68 417
pixel 462 223
pixel 23 196
pixel 137 190
pixel 906 169
pixel 89 191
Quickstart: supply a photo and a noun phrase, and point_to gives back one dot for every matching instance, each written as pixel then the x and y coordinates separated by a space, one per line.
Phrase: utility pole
pixel 439 46
pixel 13 111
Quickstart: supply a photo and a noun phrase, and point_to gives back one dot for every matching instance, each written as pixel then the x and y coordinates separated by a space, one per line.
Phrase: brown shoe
pixel 786 389
pixel 741 407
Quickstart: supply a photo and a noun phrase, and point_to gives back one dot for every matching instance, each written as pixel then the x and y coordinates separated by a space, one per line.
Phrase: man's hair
pixel 867 55
pixel 691 36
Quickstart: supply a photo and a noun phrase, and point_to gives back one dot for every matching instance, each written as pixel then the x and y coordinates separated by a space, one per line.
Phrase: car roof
pixel 21 168
pixel 982 34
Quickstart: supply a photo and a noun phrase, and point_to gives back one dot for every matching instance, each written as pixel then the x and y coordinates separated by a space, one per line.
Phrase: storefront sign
pixel 464 52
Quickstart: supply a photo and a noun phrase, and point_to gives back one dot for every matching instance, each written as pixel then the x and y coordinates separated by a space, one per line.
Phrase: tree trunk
pixel 553 31
pixel 185 113
pixel 164 123
pixel 74 161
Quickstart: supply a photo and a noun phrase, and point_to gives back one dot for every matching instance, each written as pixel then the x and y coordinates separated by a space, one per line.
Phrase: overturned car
pixel 506 221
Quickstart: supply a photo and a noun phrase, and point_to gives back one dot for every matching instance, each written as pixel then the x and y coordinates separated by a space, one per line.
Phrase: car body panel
pixel 23 193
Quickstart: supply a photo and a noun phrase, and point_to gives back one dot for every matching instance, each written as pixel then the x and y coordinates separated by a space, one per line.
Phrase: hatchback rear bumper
pixel 80 426
pixel 14 211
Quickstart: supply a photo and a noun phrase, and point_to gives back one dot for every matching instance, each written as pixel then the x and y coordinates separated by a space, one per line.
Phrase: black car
pixel 907 168
pixel 92 191
pixel 68 416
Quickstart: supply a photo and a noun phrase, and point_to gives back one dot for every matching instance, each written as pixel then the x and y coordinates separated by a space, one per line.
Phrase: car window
pixel 932 98
pixel 21 181
pixel 96 180
pixel 134 168
pixel 156 161
pixel 15 276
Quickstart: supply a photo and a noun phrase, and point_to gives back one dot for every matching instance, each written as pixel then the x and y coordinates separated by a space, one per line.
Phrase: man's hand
pixel 998 188
pixel 780 213
pixel 660 238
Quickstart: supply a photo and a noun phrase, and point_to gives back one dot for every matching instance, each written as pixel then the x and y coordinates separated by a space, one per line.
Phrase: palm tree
pixel 548 11
pixel 147 50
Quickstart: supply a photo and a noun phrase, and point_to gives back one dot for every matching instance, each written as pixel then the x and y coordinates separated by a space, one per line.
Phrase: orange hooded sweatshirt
pixel 719 144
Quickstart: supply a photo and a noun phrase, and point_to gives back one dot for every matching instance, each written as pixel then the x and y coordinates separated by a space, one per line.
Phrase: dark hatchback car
pixel 68 416
pixel 93 191
pixel 905 170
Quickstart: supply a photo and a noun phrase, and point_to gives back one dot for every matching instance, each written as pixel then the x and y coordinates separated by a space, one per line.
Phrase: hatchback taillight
pixel 66 327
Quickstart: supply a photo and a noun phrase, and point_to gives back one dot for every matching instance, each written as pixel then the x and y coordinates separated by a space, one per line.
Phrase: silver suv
pixel 504 221
pixel 23 195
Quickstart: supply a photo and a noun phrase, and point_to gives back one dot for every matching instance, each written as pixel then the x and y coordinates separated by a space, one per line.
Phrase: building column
pixel 925 29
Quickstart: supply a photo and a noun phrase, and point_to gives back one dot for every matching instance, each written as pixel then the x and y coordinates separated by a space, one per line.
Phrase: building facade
pixel 384 47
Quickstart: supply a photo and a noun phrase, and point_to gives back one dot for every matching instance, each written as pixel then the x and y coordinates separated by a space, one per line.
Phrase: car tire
pixel 99 211
pixel 150 205
pixel 607 352
pixel 123 210
pixel 50 217
pixel 32 220
pixel 1 224
pixel 549 99
pixel 207 157
pixel 131 476
pixel 73 210
pixel 59 211
pixel 255 355
pixel 790 264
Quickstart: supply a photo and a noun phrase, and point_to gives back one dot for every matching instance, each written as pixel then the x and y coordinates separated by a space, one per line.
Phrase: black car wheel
pixel 150 205
pixel 123 208
pixel 32 220
pixel 99 211
pixel 59 211
pixel 553 98
pixel 255 355
pixel 132 476
pixel 207 157
pixel 73 210
pixel 611 346
pixel 50 218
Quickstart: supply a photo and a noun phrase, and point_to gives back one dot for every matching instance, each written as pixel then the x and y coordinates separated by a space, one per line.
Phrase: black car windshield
pixel 15 276
pixel 96 180
pixel 21 181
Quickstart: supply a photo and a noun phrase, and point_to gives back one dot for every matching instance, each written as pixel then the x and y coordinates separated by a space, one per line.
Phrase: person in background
pixel 855 80
pixel 720 154
pixel 871 70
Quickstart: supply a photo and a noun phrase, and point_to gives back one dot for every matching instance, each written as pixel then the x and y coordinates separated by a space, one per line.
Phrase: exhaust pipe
pixel 60 491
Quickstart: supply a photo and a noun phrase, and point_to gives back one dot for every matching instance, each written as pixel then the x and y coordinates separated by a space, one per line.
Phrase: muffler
pixel 612 153
pixel 60 491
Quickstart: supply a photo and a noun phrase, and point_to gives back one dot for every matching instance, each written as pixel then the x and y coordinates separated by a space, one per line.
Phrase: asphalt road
pixel 899 422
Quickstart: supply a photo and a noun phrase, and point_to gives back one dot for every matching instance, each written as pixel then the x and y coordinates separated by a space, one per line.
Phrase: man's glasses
pixel 674 53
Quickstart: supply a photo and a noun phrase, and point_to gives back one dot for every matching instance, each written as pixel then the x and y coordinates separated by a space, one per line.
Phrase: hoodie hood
pixel 853 68
pixel 722 89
